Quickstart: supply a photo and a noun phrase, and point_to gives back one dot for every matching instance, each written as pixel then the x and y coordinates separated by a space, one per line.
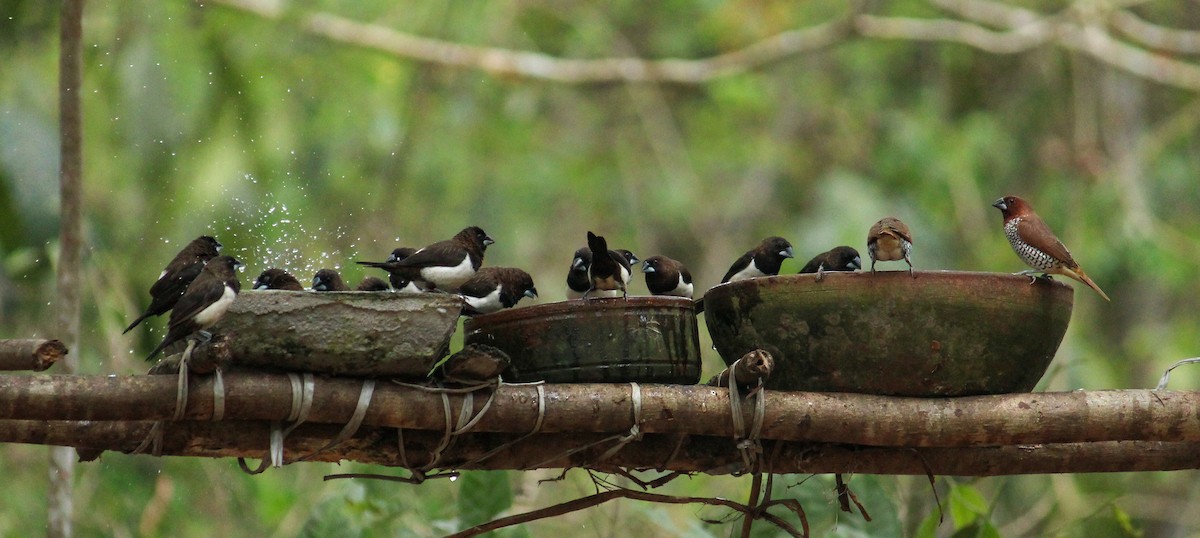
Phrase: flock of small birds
pixel 198 285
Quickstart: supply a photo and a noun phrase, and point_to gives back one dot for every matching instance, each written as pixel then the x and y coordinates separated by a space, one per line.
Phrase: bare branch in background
pixel 1155 36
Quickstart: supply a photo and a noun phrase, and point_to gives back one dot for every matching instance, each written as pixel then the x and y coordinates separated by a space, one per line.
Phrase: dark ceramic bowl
pixel 943 333
pixel 642 339
pixel 341 333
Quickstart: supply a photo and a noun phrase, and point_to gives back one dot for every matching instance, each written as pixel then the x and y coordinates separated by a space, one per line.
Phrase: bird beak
pixel 786 253
pixel 1000 205
pixel 487 240
pixel 577 263
pixel 219 246
pixel 856 264
pixel 647 268
pixel 633 259
pixel 260 285
pixel 531 293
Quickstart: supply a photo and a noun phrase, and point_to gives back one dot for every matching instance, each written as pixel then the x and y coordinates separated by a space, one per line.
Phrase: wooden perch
pixel 30 354
pixel 1006 419
pixel 694 454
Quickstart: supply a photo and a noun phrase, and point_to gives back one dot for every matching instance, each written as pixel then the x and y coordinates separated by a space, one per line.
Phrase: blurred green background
pixel 298 151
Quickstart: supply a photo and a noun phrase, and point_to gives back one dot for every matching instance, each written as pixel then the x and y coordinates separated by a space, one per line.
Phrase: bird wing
pixel 738 265
pixel 440 253
pixel 477 287
pixel 204 291
pixel 1033 230
pixel 175 282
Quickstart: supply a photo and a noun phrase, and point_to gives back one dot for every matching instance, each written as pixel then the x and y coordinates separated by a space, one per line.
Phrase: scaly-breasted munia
pixel 1036 245
pixel 889 240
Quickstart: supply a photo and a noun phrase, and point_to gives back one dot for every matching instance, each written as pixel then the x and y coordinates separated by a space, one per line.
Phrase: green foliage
pixel 302 152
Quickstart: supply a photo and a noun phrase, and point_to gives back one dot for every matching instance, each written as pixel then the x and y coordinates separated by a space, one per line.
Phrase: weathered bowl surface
pixel 943 333
pixel 341 333
pixel 642 339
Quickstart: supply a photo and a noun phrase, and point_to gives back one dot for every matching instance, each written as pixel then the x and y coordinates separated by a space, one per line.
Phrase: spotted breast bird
pixel 204 302
pixel 763 260
pixel 665 276
pixel 445 265
pixel 610 270
pixel 890 240
pixel 370 283
pixel 328 280
pixel 495 288
pixel 1036 245
pixel 277 279
pixel 174 280
pixel 841 258
pixel 401 278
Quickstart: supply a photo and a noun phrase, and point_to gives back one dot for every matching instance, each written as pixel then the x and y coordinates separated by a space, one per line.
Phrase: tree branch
pixel 1155 36
pixel 30 354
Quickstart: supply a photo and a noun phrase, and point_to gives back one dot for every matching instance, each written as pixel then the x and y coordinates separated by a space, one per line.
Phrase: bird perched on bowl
pixel 494 288
pixel 328 280
pixel 401 278
pixel 890 240
pixel 445 265
pixel 370 283
pixel 666 276
pixel 763 260
pixel 174 279
pixel 841 258
pixel 1036 245
pixel 277 279
pixel 578 281
pixel 204 302
pixel 610 270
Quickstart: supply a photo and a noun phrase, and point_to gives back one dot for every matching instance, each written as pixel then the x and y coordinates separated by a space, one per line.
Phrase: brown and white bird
pixel 204 302
pixel 174 279
pixel 841 258
pixel 763 260
pixel 445 265
pixel 370 283
pixel 495 288
pixel 1036 245
pixel 610 270
pixel 328 280
pixel 401 278
pixel 890 240
pixel 578 281
pixel 665 276
pixel 277 279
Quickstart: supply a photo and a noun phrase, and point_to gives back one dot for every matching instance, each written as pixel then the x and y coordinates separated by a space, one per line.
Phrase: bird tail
pixel 373 264
pixel 597 245
pixel 161 346
pixel 699 305
pixel 1078 274
pixel 136 322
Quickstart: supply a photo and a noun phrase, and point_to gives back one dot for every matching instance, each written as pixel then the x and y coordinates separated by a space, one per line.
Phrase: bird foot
pixel 820 272
pixel 205 336
pixel 1034 275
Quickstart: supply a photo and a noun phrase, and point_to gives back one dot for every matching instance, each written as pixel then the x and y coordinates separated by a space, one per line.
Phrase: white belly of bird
pixel 449 278
pixel 751 271
pixel 682 289
pixel 488 303
pixel 213 312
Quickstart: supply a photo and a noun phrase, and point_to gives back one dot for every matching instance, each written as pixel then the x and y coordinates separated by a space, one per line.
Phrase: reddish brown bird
pixel 890 240
pixel 1036 245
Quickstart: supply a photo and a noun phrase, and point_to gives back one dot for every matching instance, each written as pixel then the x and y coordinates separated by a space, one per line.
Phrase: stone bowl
pixel 942 333
pixel 350 333
pixel 642 339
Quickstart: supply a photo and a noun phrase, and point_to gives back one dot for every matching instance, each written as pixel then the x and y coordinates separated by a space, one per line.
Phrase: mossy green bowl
pixel 942 333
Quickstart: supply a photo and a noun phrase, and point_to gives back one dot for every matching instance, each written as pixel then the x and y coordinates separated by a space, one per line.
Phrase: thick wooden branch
pixel 1008 419
pixel 30 354
pixel 692 454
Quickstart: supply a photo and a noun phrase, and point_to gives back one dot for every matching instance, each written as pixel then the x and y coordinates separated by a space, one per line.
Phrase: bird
pixel 445 265
pixel 578 281
pixel 401 278
pixel 763 260
pixel 328 280
pixel 1036 245
pixel 174 279
pixel 890 240
pixel 666 276
pixel 609 271
pixel 204 302
pixel 370 283
pixel 277 279
pixel 495 288
pixel 841 258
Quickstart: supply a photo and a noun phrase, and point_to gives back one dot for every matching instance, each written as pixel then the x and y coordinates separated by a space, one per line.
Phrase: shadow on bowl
pixel 943 333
